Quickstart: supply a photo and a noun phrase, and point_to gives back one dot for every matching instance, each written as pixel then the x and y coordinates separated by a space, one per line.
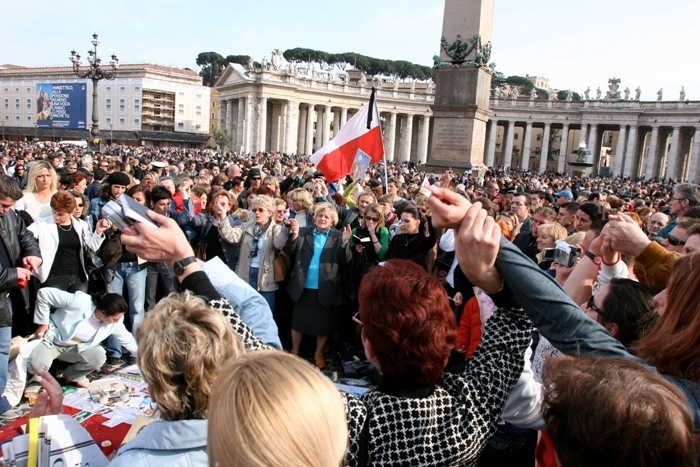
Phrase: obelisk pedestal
pixel 463 86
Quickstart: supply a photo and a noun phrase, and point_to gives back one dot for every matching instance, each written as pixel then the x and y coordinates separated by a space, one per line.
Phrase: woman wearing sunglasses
pixel 256 239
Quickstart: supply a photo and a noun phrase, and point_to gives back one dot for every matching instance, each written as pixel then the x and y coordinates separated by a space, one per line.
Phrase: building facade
pixel 293 109
pixel 145 102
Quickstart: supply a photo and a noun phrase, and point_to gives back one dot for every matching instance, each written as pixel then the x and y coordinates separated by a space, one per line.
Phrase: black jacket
pixel 19 242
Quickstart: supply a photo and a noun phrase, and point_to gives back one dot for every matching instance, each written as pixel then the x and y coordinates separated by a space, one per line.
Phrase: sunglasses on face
pixel 258 210
pixel 675 241
pixel 371 219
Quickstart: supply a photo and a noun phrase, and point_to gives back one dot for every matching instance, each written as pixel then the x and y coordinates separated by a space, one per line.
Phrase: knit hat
pixel 118 178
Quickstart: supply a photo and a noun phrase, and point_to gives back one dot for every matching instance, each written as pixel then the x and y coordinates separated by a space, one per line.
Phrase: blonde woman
pixel 271 183
pixel 548 234
pixel 42 183
pixel 271 408
pixel 301 207
pixel 256 239
pixel 180 379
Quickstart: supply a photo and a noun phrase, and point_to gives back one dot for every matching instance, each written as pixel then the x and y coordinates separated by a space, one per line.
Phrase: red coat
pixel 469 334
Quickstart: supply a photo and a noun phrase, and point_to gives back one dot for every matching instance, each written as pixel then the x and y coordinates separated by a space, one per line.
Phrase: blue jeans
pixel 253 282
pixel 136 286
pixel 5 340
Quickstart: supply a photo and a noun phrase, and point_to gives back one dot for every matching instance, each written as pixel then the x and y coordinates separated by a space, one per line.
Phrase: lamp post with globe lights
pixel 94 72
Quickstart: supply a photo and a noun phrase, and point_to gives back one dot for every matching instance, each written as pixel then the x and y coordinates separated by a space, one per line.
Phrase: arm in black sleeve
pixel 199 284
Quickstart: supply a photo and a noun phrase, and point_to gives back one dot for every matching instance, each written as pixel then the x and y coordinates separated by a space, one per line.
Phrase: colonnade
pixel 258 124
pixel 626 148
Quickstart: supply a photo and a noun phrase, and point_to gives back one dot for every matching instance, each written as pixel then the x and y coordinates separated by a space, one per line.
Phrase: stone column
pixel 230 123
pixel 650 168
pixel 491 145
pixel 222 114
pixel 326 125
pixel 563 148
pixel 593 144
pixel 301 131
pixel 525 160
pixel 343 117
pixel 336 123
pixel 545 147
pixel 391 137
pixel 508 154
pixel 693 175
pixel 282 130
pixel 262 125
pixel 631 150
pixel 292 128
pixel 423 141
pixel 673 153
pixel 249 124
pixel 310 130
pixel 620 151
pixel 406 137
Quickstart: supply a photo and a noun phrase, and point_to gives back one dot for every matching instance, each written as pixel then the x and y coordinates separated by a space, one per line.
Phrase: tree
pixel 240 59
pixel 212 63
pixel 222 138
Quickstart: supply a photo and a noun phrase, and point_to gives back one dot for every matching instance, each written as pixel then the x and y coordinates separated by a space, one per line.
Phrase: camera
pixel 562 253
pixel 126 212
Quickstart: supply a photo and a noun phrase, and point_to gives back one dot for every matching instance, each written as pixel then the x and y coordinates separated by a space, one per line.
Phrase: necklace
pixel 65 230
pixel 413 237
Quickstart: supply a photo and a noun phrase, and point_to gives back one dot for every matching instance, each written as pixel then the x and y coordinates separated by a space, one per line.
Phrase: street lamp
pixel 95 73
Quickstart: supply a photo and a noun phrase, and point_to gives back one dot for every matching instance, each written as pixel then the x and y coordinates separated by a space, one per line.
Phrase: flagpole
pixel 370 115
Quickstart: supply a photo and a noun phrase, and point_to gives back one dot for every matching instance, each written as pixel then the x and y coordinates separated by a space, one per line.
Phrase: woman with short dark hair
pixel 74 331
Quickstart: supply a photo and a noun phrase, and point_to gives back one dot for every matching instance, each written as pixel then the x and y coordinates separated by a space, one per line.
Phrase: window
pixel 182 94
pixel 29 119
pixel 197 126
pixel 137 105
pixel 181 109
pixel 29 89
pixel 29 104
pixel 539 137
pixel 17 119
pixel 181 126
pixel 212 115
pixel 136 88
pixel 515 136
pixel 199 96
pixel 109 88
pixel 198 110
pixel 122 105
pixel 7 104
pixel 109 121
pixel 213 104
pixel 122 89
pixel 122 122
pixel 108 104
pixel 16 104
pixel 17 90
pixel 137 122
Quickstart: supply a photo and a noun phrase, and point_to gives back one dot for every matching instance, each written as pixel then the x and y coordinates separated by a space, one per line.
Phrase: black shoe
pixel 114 361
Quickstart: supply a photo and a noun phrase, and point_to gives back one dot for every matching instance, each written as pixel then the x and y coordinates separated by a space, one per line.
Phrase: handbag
pixel 91 260
pixel 111 251
pixel 281 265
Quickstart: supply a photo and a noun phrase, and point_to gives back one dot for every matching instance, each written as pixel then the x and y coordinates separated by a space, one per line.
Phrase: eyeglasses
pixel 19 168
pixel 256 178
pixel 592 306
pixel 675 241
pixel 258 210
pixel 371 219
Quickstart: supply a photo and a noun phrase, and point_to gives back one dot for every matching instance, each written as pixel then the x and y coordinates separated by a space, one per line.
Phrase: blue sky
pixel 574 44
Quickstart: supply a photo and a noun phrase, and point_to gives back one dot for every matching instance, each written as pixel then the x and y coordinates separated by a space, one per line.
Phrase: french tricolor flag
pixel 362 131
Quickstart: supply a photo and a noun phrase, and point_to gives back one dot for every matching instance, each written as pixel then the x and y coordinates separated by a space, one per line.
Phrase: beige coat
pixel 243 235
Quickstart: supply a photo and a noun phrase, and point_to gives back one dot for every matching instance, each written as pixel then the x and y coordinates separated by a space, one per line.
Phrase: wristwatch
pixel 179 266
pixel 595 258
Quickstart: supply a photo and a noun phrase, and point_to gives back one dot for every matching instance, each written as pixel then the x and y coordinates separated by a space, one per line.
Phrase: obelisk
pixel 463 85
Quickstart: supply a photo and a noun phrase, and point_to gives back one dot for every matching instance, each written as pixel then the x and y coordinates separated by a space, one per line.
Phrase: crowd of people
pixel 557 315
